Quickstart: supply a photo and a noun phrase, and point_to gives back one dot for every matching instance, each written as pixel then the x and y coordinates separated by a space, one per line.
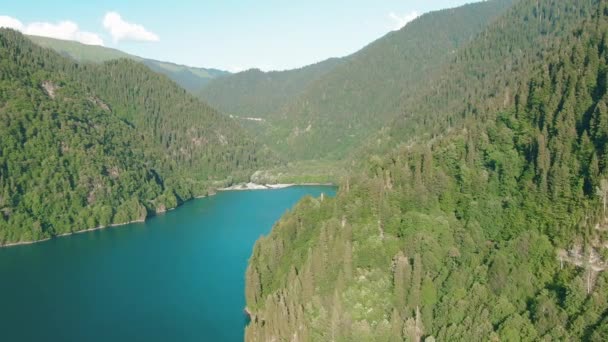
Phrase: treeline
pixel 83 146
pixel 492 229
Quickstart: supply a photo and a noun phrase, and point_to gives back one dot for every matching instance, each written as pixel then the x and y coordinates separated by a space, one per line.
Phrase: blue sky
pixel 227 34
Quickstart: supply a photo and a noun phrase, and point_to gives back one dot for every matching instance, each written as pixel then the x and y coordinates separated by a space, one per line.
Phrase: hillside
pixel 190 78
pixel 257 94
pixel 481 216
pixel 335 113
pixel 87 145
pixel 355 100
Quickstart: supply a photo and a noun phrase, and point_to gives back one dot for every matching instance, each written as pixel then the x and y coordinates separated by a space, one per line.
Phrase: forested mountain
pixel 482 219
pixel 257 94
pixel 190 78
pixel 338 111
pixel 87 145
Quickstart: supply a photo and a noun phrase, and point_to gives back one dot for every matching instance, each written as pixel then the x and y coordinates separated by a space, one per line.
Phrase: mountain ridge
pixel 334 112
pixel 190 78
pixel 257 93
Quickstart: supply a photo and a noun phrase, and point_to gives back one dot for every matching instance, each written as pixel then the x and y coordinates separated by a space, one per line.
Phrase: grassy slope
pixel 190 78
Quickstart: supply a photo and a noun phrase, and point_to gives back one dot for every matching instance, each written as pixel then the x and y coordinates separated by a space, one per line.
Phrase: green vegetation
pixel 258 94
pixel 478 216
pixel 471 148
pixel 327 110
pixel 303 172
pixel 190 78
pixel 341 110
pixel 90 145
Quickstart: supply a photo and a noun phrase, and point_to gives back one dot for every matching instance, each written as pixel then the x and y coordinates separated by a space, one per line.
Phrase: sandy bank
pixel 254 186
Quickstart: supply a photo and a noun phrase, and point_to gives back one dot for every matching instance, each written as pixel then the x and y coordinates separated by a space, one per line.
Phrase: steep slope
pixel 354 100
pixel 190 78
pixel 493 229
pixel 83 146
pixel 486 74
pixel 257 94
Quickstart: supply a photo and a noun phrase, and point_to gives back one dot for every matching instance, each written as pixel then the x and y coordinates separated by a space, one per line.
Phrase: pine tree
pixel 543 160
pixel 308 280
pixel 348 261
pixel 336 324
pixel 396 326
pixel 414 299
pixel 253 290
pixel 401 281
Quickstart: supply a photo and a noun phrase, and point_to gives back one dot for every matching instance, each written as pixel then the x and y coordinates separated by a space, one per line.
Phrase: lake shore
pixel 256 186
pixel 236 187
pixel 21 243
pixel 194 245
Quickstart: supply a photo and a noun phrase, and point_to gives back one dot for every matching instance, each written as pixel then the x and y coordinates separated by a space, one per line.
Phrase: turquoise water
pixel 177 277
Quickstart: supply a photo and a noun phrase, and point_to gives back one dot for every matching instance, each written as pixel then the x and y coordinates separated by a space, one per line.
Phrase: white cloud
pixel 123 30
pixel 402 20
pixel 66 30
pixel 235 69
pixel 10 22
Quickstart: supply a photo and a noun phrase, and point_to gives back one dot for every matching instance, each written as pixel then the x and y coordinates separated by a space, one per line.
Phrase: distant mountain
pixel 87 145
pixel 257 94
pixel 339 111
pixel 190 78
pixel 326 110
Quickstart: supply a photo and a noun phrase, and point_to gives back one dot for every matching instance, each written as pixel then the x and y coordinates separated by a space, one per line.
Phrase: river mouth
pixel 178 276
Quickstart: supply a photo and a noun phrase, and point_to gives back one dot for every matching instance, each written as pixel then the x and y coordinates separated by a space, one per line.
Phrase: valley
pixel 469 149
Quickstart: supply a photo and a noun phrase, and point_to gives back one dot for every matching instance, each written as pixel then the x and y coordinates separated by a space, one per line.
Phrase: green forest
pixel 479 215
pixel 326 111
pixel 258 94
pixel 85 145
pixel 470 149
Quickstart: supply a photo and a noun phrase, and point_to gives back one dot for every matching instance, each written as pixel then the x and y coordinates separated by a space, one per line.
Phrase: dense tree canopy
pixel 483 221
pixel 258 94
pixel 326 110
pixel 475 207
pixel 83 146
